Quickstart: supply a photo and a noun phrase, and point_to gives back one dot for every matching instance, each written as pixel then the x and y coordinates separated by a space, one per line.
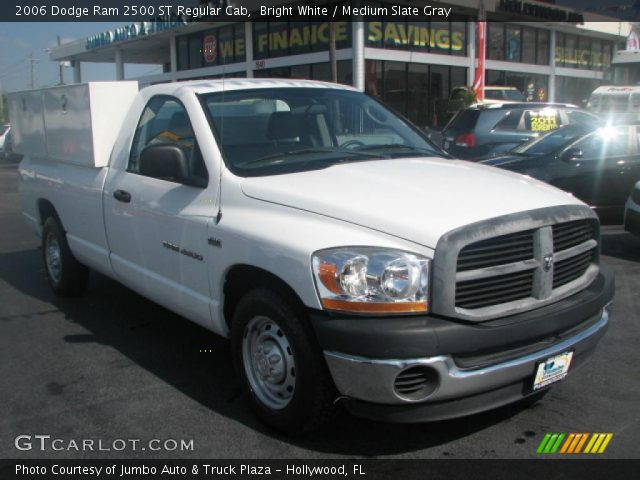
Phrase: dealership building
pixel 547 51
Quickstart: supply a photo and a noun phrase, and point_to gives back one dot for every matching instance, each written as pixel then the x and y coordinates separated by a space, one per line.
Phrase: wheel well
pixel 46 210
pixel 241 279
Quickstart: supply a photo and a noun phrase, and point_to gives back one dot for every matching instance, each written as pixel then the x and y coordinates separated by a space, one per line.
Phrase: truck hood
pixel 417 199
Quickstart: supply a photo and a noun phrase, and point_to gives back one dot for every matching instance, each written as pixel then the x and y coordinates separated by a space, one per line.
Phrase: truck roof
pixel 218 85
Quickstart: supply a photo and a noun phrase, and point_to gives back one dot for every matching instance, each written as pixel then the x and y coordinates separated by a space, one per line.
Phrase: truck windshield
pixel 282 130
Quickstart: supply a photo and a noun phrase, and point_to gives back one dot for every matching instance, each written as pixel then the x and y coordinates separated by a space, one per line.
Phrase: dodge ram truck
pixel 350 261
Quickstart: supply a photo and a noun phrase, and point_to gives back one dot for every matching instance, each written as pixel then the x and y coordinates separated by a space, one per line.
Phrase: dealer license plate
pixel 552 370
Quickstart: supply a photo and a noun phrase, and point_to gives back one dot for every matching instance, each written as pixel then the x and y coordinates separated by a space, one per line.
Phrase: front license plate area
pixel 552 370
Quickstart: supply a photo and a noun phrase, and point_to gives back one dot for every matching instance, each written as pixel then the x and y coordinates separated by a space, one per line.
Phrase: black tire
pixel 69 277
pixel 311 403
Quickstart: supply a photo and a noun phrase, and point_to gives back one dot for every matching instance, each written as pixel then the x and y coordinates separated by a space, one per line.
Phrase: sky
pixel 19 40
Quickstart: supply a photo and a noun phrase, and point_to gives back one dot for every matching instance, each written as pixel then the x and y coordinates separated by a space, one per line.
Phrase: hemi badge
pixel 215 242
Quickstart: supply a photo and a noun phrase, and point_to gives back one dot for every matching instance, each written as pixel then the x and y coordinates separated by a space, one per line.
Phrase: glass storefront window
pixel 373 78
pixel 183 53
pixel 596 54
pixel 528 45
pixel 534 87
pixel 260 40
pixel 575 90
pixel 296 39
pixel 495 43
pixel 195 51
pixel 458 38
pixel 559 53
pixel 494 77
pixel 584 52
pixel 301 71
pixel 321 71
pixel 345 72
pixel 542 47
pixel 418 36
pixel 395 85
pixel 418 90
pixel 574 51
pixel 279 39
pixel 440 37
pixel 239 46
pixel 512 44
pixel 211 43
pixel 447 38
pixel 569 52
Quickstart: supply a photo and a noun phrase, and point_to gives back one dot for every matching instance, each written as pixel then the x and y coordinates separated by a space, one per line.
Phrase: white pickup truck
pixel 345 256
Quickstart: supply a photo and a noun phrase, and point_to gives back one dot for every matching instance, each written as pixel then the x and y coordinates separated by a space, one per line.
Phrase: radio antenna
pixel 222 165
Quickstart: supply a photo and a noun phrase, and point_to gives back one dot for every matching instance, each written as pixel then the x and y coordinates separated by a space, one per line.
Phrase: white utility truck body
pixel 394 277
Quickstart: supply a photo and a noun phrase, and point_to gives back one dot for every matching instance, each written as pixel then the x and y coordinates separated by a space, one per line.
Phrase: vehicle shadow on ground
pixel 621 245
pixel 169 347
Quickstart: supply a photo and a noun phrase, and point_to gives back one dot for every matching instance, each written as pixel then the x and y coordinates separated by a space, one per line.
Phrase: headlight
pixel 372 280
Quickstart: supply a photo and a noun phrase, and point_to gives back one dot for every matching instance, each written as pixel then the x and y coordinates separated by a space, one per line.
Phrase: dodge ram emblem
pixel 547 262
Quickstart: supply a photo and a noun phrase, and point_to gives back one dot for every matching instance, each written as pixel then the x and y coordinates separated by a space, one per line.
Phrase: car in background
pixel 481 130
pixel 4 131
pixel 500 95
pixel 463 97
pixel 597 166
pixel 632 211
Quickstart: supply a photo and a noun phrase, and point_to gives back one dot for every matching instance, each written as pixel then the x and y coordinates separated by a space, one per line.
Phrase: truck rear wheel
pixel 67 277
pixel 280 363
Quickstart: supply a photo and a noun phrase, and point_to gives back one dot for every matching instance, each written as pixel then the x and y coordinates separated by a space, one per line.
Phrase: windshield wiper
pixel 306 151
pixel 394 146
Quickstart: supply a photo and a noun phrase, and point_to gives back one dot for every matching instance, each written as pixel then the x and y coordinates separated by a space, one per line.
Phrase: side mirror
pixel 164 161
pixel 572 154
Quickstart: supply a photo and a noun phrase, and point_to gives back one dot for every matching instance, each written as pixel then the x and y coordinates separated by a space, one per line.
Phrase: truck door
pixel 157 225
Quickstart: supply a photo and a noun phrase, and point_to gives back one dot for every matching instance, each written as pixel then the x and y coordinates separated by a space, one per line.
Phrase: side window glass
pixel 541 120
pixel 165 121
pixel 576 117
pixel 618 144
pixel 590 146
pixel 601 145
pixel 510 121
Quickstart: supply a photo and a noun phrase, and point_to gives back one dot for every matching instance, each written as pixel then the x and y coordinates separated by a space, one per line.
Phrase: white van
pixel 621 103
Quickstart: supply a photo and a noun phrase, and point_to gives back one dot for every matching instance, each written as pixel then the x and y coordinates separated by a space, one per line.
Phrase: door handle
pixel 122 196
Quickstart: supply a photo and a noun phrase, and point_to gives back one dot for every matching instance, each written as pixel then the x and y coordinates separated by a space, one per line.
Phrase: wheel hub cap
pixel 53 258
pixel 268 362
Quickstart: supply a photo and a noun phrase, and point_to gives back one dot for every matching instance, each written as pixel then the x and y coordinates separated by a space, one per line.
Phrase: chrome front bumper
pixel 372 380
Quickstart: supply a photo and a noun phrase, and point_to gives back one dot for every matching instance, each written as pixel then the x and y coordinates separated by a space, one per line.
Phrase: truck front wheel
pixel 67 277
pixel 280 363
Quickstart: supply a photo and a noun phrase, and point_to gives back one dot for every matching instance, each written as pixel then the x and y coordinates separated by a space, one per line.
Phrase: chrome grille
pixel 570 234
pixel 496 251
pixel 489 291
pixel 572 268
pixel 525 267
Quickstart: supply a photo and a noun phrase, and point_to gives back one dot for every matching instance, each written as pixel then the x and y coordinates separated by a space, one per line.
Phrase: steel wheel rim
pixel 268 362
pixel 53 258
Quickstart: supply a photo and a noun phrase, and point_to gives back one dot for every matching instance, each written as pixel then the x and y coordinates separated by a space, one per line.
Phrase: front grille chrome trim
pixel 543 223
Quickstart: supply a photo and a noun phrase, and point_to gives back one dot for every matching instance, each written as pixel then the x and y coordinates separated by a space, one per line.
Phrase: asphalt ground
pixel 113 365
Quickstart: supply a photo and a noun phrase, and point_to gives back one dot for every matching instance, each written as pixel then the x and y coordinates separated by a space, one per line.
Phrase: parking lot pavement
pixel 112 365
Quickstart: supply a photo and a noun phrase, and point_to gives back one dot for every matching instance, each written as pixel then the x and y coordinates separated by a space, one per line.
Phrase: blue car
pixel 482 130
